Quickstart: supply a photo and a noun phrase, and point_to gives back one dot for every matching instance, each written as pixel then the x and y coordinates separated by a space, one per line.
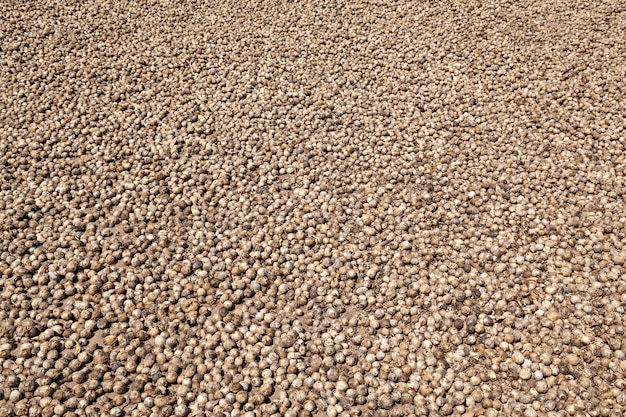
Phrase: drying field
pixel 312 208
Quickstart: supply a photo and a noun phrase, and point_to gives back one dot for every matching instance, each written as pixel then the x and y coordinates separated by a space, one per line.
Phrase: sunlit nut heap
pixel 312 208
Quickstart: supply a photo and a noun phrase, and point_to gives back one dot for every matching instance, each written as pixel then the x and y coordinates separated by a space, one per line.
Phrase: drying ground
pixel 312 208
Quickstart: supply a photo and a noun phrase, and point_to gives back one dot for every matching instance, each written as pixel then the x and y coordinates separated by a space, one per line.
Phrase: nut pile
pixel 312 208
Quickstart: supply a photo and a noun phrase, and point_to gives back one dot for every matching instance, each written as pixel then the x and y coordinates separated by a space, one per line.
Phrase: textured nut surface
pixel 312 207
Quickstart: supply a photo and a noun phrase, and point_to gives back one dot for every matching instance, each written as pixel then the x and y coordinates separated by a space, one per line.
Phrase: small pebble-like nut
pixel 553 315
pixel 309 405
pixel 60 409
pixel 266 390
pixel 342 385
pixel 118 400
pixel 5 350
pixel 385 402
pixel 110 340
pixel 518 358
pixel 84 357
pixel 161 401
pixel 241 397
pixel 458 398
pixel 171 377
pixel 619 258
pixel 530 412
pixel 25 350
pixel 189 306
pixel 120 387
pixel 546 358
pixel 15 396
pixel 572 359
pixel 542 387
pixel 21 408
pixel 12 380
pixel 525 373
pixel 257 398
pixel 181 410
pixel 201 399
